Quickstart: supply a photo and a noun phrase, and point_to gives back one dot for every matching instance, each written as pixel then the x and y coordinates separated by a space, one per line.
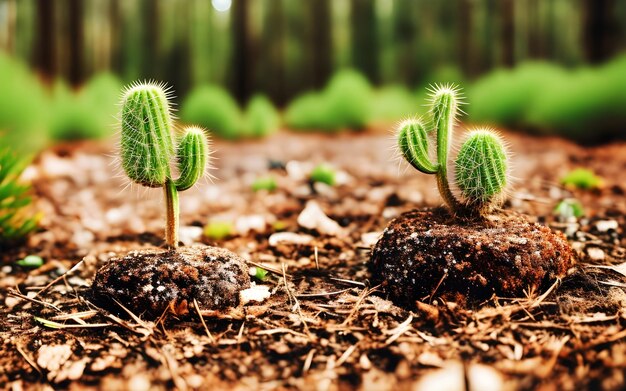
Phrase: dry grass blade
pixel 621 268
pixel 60 326
pixel 322 294
pixel 366 292
pixel 343 280
pixel 32 300
pixel 206 329
pixel 269 268
pixel 61 277
pixel 26 357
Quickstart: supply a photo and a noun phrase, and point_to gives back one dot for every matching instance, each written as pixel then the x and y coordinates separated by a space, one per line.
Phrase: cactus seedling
pixel 148 148
pixel 480 167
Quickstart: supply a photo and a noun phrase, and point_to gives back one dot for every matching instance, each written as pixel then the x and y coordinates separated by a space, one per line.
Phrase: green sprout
pixel 481 167
pixel 148 148
pixel 323 173
pixel 258 273
pixel 569 208
pixel 30 261
pixel 265 183
pixel 15 223
pixel 218 230
pixel 581 178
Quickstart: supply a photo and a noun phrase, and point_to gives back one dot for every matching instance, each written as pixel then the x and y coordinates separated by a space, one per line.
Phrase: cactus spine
pixel 480 168
pixel 147 148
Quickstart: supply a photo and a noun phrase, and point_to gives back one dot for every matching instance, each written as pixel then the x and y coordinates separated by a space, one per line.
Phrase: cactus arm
pixel 413 144
pixel 444 107
pixel 192 156
pixel 171 214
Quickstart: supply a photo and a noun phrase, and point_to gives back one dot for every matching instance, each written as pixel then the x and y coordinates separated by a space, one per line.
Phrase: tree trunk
pixel 150 59
pixel 75 31
pixel 364 38
pixel 242 60
pixel 274 49
pixel 465 37
pixel 507 32
pixel 44 55
pixel 599 29
pixel 320 41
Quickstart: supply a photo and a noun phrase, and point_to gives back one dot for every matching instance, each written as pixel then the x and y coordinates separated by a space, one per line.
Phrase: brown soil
pixel 149 282
pixel 425 255
pixel 325 326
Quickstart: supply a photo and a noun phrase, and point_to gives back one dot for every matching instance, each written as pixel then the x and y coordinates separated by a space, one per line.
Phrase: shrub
pixel 345 102
pixel 15 222
pixel 213 108
pixel 504 96
pixel 261 118
pixel 393 103
pixel 74 117
pixel 24 108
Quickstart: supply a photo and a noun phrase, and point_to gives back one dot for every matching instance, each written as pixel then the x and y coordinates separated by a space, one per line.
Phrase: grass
pixel 16 221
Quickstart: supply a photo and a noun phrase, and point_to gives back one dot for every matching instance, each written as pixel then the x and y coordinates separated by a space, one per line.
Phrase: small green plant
pixel 148 148
pixel 323 173
pixel 582 178
pixel 569 208
pixel 33 261
pixel 218 230
pixel 15 222
pixel 480 167
pixel 265 183
pixel 215 109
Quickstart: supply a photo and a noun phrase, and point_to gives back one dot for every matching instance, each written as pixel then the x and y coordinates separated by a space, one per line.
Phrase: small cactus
pixel 481 167
pixel 148 148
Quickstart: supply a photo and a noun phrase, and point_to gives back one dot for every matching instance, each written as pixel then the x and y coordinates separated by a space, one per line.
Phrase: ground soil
pixel 325 325
pixel 427 255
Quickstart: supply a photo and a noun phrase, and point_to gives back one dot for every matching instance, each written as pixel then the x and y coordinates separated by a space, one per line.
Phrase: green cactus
pixel 480 167
pixel 147 148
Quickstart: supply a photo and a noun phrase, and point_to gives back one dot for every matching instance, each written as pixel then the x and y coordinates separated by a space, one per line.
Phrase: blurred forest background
pixel 277 50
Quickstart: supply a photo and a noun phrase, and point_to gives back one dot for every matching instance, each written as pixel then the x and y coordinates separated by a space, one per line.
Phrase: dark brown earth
pixel 326 326
pixel 426 255
pixel 149 282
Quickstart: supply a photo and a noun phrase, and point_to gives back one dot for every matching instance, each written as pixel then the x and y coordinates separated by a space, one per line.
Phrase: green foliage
pixel 323 173
pixel 218 230
pixel 30 261
pixel 15 222
pixel 569 208
pixel 392 103
pixel 261 118
pixel 582 178
pixel 24 109
pixel 213 108
pixel 266 183
pixel 481 165
pixel 345 102
pixel 585 104
pixel 148 148
pixel 504 96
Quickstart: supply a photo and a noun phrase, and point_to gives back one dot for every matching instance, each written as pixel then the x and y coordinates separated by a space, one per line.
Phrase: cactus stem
pixel 171 216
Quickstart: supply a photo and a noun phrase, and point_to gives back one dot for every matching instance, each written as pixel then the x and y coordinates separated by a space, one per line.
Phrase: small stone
pixel 83 238
pixel 289 237
pixel 256 293
pixel 369 239
pixel 595 254
pixel 148 282
pixel 605 225
pixel 313 217
pixel 190 235
pixel 245 224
